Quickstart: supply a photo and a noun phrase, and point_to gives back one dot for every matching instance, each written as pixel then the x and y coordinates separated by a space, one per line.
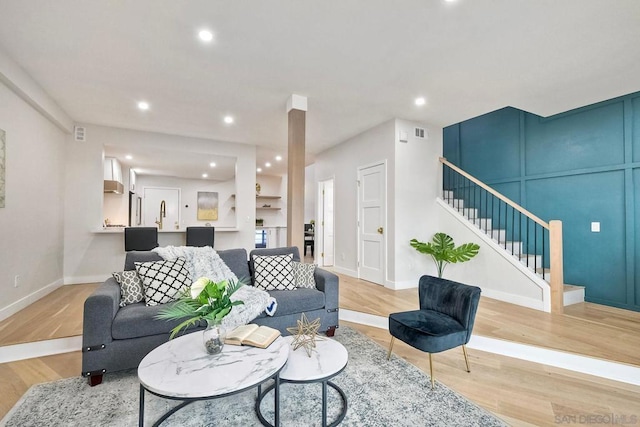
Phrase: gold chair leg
pixel 390 347
pixel 466 358
pixel 433 382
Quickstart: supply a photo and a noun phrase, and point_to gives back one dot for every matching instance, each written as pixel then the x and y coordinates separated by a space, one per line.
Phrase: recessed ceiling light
pixel 212 164
pixel 128 157
pixel 259 170
pixel 267 164
pixel 204 175
pixel 420 101
pixel 278 158
pixel 143 105
pixel 205 35
pixel 228 120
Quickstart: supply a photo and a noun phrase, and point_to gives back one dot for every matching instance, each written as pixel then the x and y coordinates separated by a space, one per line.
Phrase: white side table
pixel 328 359
pixel 181 369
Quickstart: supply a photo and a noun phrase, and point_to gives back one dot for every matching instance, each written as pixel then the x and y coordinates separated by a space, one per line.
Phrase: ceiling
pixel 178 164
pixel 359 62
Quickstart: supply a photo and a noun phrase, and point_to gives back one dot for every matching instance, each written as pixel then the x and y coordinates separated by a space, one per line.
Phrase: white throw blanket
pixel 205 262
pixel 201 262
pixel 255 302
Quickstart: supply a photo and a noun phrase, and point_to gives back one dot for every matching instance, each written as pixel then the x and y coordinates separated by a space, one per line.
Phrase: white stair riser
pixel 574 296
pixel 535 261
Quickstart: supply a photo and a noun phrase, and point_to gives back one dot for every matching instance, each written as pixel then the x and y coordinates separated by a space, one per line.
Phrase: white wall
pixel 341 162
pixel 272 185
pixel 412 186
pixel 417 183
pixel 189 189
pixel 89 256
pixel 31 224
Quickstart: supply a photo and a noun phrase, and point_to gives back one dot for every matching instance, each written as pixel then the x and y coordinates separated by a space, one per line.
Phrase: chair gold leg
pixel 433 382
pixel 466 358
pixel 390 347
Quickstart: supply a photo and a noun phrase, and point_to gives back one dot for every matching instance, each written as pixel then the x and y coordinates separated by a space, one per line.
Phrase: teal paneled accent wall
pixel 581 166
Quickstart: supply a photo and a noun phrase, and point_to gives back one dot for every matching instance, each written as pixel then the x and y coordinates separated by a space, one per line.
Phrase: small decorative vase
pixel 213 337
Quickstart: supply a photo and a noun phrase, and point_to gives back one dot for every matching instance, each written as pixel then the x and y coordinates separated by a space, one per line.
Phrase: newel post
pixel 557 271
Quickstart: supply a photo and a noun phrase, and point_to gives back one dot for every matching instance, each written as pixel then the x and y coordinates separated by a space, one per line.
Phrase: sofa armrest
pixel 99 311
pixel 328 283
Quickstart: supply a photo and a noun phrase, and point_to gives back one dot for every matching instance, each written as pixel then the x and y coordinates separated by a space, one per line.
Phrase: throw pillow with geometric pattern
pixel 274 272
pixel 130 287
pixel 163 280
pixel 303 275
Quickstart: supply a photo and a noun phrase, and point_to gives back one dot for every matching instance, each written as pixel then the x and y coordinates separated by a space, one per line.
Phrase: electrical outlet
pixel 16 281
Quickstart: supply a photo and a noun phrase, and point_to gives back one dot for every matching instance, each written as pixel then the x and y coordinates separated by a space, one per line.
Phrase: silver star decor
pixel 305 334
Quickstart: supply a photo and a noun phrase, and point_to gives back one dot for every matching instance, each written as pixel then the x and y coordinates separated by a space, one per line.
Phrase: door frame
pixel 320 214
pixel 382 163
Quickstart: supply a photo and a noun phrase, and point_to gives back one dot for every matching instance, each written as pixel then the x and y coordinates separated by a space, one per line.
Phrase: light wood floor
pixel 58 315
pixel 586 329
pixel 519 392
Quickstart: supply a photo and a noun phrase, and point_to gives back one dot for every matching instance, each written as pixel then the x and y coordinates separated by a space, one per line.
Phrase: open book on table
pixel 252 334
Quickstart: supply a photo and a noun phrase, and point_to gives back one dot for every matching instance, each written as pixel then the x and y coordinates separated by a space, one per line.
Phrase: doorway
pixel 153 198
pixel 325 225
pixel 372 183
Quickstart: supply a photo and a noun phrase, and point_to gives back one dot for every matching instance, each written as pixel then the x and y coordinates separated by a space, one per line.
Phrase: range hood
pixel 113 176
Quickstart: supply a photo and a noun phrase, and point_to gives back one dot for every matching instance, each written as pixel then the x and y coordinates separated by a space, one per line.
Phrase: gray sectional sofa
pixel 116 338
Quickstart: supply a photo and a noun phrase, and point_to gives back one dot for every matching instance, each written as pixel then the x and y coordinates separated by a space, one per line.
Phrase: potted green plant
pixel 204 300
pixel 443 250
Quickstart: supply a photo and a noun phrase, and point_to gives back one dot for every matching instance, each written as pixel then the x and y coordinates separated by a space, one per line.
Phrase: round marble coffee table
pixel 327 360
pixel 181 369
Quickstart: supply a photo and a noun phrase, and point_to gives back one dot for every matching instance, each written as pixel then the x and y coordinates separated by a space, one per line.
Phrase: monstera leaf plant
pixel 444 251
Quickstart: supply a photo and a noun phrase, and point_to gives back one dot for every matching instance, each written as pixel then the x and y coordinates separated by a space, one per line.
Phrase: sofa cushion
pixel 163 280
pixel 303 275
pixel 297 301
pixel 138 320
pixel 130 287
pixel 273 272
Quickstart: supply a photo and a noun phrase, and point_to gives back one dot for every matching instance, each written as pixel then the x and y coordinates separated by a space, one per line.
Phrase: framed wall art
pixel 207 206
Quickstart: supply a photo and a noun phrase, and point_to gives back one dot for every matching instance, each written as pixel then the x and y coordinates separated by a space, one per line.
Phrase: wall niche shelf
pixel 263 208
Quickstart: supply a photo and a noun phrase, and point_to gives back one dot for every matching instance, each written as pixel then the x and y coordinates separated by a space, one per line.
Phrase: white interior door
pixel 153 198
pixel 371 223
pixel 325 227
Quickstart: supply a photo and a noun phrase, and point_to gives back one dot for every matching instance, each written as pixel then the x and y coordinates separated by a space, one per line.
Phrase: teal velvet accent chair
pixel 444 321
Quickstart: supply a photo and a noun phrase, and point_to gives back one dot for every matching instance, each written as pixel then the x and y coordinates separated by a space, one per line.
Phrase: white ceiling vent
pixel 80 133
pixel 420 133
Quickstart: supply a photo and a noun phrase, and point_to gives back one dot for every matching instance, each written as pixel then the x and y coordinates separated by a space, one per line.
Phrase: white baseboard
pixel 98 278
pixel 364 318
pixel 575 296
pixel 572 362
pixel 342 270
pixel 405 284
pixel 26 301
pixel 514 299
pixel 10 353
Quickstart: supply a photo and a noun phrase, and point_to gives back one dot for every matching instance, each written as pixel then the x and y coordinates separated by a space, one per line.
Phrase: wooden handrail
pixel 508 201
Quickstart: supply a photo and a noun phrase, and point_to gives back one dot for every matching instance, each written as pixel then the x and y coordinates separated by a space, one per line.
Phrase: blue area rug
pixel 379 392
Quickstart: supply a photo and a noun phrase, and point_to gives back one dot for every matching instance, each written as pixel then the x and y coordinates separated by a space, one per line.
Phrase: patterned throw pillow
pixel 163 280
pixel 130 287
pixel 274 273
pixel 303 275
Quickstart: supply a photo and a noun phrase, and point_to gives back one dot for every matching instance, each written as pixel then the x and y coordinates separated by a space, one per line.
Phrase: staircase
pixel 512 224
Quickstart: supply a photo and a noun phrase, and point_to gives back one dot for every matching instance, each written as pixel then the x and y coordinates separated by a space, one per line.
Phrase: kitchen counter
pixel 120 230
